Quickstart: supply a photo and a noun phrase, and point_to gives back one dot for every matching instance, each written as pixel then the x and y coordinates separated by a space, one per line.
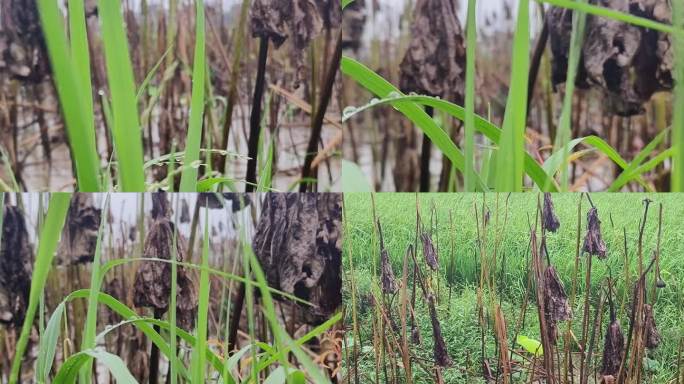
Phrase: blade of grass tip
pixel 47 244
pixel 81 59
pixel 88 341
pixel 188 181
pixel 512 146
pixel 71 97
pixel 471 44
pixel 199 357
pixel 126 129
pixel 172 300
pixel 564 126
pixel 678 114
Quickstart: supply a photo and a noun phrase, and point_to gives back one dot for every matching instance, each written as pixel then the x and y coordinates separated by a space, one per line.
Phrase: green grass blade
pixel 510 160
pixel 615 15
pixel 126 129
pixel 471 44
pixel 81 58
pixel 678 113
pixel 380 87
pixel 72 98
pixel 493 133
pixel 48 345
pixel 68 371
pixel 193 141
pixel 199 358
pixel 47 245
pixel 564 126
pixel 95 283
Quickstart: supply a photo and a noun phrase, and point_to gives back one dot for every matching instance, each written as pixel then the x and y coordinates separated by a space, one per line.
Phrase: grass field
pixel 503 277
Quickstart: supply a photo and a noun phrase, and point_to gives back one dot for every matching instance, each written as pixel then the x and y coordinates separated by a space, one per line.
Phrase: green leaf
pixel 530 345
pixel 193 141
pixel 69 370
pixel 126 131
pixel 353 178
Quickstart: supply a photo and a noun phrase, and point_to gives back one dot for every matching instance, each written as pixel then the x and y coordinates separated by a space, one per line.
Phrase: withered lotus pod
pixel 353 23
pixel 652 334
pixel 331 13
pixel 185 212
pixel 152 286
pixel 389 284
pixel 441 354
pixel 627 62
pixel 15 267
pixel 429 252
pixel 551 222
pixel 298 242
pixel 415 335
pixel 613 349
pixel 434 63
pixel 79 236
pixel 555 298
pixel 593 243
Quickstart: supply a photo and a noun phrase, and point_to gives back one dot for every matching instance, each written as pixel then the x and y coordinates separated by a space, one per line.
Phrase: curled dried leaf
pixel 429 252
pixel 434 63
pixel 652 334
pixel 613 349
pixel 593 242
pixel 353 23
pixel 550 219
pixel 441 354
pixel 15 267
pixel 79 236
pixel 627 62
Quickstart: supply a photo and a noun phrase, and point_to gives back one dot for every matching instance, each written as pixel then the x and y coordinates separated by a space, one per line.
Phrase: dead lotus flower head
pixel 15 267
pixel 429 252
pixel 441 354
pixel 556 307
pixel 153 279
pixel 353 23
pixel 626 62
pixel 551 222
pixel 389 284
pixel 613 349
pixel 652 334
pixel 278 20
pixel 593 243
pixel 435 60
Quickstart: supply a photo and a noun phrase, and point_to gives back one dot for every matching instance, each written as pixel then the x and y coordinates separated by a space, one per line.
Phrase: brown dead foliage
pixel 353 24
pixel 652 334
pixel 613 350
pixel 556 306
pixel 298 242
pixel 22 45
pixel 79 236
pixel 441 354
pixel 152 286
pixel 389 284
pixel 431 257
pixel 627 62
pixel 593 242
pixel 15 267
pixel 550 219
pixel 434 63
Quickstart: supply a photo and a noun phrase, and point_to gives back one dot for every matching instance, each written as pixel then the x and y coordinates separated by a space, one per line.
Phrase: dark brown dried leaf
pixel 627 62
pixel 353 23
pixel 431 257
pixel 434 63
pixel 593 242
pixel 551 222
pixel 298 242
pixel 441 354
pixel 613 349
pixel 652 334
pixel 15 267
pixel 79 236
